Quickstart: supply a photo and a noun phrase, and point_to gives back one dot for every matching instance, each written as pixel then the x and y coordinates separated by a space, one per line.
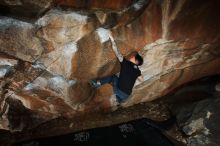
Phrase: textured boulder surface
pixel 49 55
pixel 18 39
pixel 197 111
pixel 24 8
pixel 202 126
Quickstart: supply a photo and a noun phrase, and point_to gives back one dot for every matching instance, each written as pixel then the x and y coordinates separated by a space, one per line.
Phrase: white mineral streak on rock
pixel 61 86
pixel 71 125
pixel 139 4
pixel 57 84
pixel 6 22
pixel 195 57
pixel 67 55
pixel 157 43
pixel 156 54
pixel 6 61
pixel 3 72
pixel 103 34
pixel 166 18
pixel 38 66
pixel 195 126
pixel 208 115
pixel 38 83
pixel 71 82
pixel 29 87
pixel 52 108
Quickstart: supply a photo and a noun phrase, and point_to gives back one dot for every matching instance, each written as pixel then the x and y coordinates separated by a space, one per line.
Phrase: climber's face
pixel 133 60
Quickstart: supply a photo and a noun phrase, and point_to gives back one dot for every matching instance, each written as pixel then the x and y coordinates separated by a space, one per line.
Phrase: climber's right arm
pixel 115 49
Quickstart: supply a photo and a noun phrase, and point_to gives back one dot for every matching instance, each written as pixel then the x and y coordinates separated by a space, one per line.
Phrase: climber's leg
pixel 98 83
pixel 106 80
pixel 120 95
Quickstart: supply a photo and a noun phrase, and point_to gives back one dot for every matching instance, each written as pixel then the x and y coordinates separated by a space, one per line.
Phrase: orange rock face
pixel 64 49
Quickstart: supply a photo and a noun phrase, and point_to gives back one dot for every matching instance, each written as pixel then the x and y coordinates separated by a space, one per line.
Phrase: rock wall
pixel 49 57
pixel 95 4
pixel 197 111
pixel 202 126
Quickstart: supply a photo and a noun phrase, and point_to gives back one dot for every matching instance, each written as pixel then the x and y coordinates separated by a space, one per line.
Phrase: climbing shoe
pixel 95 83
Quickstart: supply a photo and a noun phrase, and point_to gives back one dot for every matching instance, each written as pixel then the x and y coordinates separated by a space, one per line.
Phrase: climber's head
pixel 136 58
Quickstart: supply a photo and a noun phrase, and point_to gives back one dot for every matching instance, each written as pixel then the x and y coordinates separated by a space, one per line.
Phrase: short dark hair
pixel 139 59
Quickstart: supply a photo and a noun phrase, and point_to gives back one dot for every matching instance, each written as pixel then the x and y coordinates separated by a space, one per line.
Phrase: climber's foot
pixel 95 83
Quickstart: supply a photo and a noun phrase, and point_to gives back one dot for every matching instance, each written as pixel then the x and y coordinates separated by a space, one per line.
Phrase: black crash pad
pixel 142 132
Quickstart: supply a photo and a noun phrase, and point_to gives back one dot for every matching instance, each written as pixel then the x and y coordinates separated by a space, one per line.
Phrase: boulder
pixel 60 31
pixel 18 39
pixel 24 9
pixel 27 119
pixel 199 121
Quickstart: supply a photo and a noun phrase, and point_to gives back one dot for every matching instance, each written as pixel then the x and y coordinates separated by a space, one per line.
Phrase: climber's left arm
pixel 115 48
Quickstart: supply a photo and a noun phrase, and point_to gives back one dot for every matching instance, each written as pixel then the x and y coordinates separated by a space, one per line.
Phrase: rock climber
pixel 129 72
